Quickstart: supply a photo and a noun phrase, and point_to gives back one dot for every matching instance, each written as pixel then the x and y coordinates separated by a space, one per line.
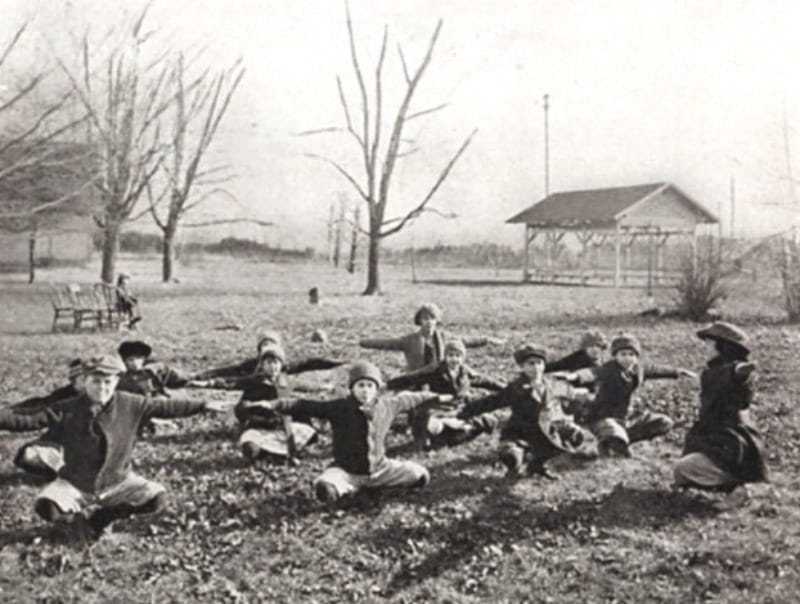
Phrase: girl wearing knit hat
pixel 265 434
pixel 608 416
pixel 723 449
pixel 250 365
pixel 424 348
pixel 43 456
pixel 359 424
pixel 538 428
pixel 440 427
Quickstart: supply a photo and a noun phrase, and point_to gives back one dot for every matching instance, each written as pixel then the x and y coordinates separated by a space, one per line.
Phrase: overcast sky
pixel 693 92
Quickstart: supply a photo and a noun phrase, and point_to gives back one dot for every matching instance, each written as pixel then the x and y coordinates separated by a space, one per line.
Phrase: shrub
pixel 702 284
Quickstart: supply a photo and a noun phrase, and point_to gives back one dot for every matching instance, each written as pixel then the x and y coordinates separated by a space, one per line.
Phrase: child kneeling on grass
pixel 97 430
pixel 441 427
pixel 608 415
pixel 538 428
pixel 723 449
pixel 360 423
pixel 265 432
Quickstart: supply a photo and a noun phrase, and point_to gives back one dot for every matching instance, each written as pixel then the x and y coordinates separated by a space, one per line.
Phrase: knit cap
pixel 526 351
pixel 271 350
pixel 625 342
pixel 364 370
pixel 74 369
pixel 429 308
pixel 268 336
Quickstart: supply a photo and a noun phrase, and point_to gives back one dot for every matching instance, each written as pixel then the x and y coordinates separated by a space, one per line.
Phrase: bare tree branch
pixel 425 112
pixel 228 221
pixel 343 172
pixel 442 176
pixel 319 131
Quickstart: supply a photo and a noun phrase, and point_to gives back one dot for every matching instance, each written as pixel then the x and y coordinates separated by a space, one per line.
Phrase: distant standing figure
pixel 313 295
pixel 127 303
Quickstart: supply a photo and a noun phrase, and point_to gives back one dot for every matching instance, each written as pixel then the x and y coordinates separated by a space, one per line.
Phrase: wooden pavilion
pixel 622 216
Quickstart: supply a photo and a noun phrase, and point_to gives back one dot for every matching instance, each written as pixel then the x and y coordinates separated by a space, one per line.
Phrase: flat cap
pixel 526 351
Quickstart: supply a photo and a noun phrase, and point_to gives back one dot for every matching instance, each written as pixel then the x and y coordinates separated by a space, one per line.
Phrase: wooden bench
pixel 87 306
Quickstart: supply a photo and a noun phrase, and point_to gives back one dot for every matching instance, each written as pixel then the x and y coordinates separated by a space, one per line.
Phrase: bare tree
pixel 199 108
pixel 125 94
pixel 42 173
pixel 379 163
pixel 351 263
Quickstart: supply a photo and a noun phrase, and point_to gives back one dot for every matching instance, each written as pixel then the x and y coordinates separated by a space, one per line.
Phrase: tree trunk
pixel 351 264
pixel 110 251
pixel 32 256
pixel 168 252
pixel 373 258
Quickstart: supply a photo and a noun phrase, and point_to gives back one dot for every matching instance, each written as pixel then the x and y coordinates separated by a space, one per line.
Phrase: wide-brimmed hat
pixel 526 351
pixel 625 342
pixel 727 332
pixel 429 308
pixel 134 348
pixel 106 364
pixel 364 370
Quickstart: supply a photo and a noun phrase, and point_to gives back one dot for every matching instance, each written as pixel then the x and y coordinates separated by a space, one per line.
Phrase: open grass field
pixel 608 531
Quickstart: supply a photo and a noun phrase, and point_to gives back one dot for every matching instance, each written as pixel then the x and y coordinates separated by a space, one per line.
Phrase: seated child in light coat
pixel 360 423
pixel 265 432
pixel 538 428
pixel 441 427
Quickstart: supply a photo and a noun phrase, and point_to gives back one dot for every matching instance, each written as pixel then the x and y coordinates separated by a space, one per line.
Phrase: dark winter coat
pixel 614 387
pixel 537 416
pixel 439 380
pixel 98 442
pixel 255 388
pixel 151 380
pixel 572 362
pixel 723 430
pixel 37 403
pixel 359 436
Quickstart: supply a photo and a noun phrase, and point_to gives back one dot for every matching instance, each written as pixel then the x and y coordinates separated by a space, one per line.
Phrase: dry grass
pixel 607 531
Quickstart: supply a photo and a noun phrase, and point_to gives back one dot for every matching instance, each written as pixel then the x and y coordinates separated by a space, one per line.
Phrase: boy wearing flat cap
pixel 424 348
pixel 265 432
pixel 608 416
pixel 250 366
pixel 143 376
pixel 43 456
pixel 450 376
pixel 723 449
pixel 360 423
pixel 97 430
pixel 538 428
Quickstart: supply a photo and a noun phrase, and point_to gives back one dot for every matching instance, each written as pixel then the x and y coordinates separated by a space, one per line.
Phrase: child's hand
pixel 743 370
pixel 686 373
pixel 446 398
pixel 198 383
pixel 568 376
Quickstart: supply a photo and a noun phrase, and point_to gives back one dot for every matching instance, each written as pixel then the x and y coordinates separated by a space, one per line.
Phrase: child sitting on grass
pixel 265 433
pixel 424 348
pixel 97 430
pixel 593 345
pixel 360 423
pixel 43 456
pixel 451 376
pixel 538 428
pixel 608 415
pixel 723 449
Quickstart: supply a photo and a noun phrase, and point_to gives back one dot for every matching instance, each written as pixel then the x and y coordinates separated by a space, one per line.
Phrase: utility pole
pixel 546 147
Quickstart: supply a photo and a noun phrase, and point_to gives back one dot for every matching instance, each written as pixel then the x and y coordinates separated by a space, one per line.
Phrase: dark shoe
pixel 251 451
pixel 325 493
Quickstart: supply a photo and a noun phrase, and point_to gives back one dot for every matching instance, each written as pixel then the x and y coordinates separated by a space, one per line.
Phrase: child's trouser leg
pixel 647 426
pixel 451 431
pixel 256 441
pixel 611 435
pixel 697 469
pixel 512 456
pixel 398 473
pixel 335 483
pixel 40 457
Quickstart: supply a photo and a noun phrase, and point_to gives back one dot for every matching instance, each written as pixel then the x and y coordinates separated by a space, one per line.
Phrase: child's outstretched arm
pixel 15 421
pixel 312 364
pixel 383 343
pixel 485 404
pixel 408 381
